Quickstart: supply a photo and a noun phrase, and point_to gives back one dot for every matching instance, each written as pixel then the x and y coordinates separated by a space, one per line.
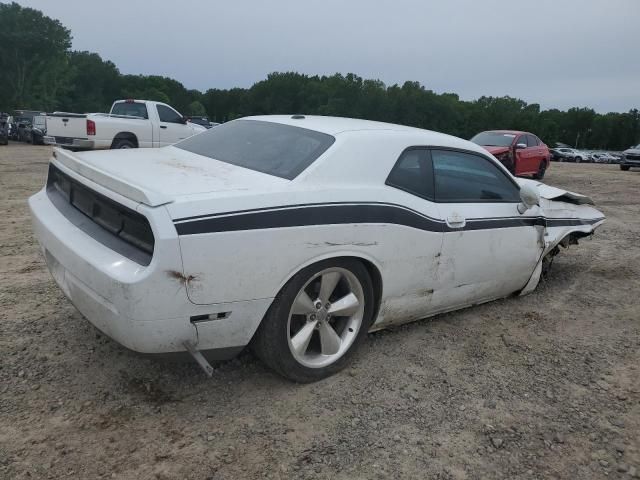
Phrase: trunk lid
pixel 156 176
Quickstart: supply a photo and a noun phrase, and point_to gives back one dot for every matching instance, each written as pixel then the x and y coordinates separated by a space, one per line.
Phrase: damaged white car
pixel 295 235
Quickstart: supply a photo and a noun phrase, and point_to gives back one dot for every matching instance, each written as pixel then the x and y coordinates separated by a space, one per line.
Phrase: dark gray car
pixel 630 158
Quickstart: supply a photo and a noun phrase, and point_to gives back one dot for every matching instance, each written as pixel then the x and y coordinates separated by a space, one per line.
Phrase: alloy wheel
pixel 325 317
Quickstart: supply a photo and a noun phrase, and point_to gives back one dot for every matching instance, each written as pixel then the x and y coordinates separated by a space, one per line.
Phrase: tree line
pixel 38 70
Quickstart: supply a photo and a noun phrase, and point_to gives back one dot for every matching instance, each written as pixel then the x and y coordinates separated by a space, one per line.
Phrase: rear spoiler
pixel 123 187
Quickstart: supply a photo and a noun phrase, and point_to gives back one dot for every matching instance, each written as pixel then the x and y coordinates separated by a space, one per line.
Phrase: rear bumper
pixel 79 143
pixel 144 308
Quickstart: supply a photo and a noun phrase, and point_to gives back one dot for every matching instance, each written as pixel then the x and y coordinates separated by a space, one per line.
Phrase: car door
pixel 412 274
pixel 523 156
pixel 172 126
pixel 489 249
pixel 538 153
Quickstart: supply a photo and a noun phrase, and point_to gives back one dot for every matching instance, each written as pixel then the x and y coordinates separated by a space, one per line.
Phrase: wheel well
pixel 376 280
pixel 374 273
pixel 125 136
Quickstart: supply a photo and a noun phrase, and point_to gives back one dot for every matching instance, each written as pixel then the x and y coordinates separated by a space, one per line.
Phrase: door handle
pixel 163 126
pixel 455 220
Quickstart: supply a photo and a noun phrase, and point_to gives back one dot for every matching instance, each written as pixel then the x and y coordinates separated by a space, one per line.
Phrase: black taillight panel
pixel 130 231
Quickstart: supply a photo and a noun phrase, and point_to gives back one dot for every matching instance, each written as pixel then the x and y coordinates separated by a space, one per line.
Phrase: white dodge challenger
pixel 295 235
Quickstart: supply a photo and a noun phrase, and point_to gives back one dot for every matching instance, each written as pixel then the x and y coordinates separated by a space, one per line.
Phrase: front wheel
pixel 624 167
pixel 317 320
pixel 578 159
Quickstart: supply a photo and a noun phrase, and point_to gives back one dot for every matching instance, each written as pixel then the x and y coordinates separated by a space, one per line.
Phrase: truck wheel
pixel 624 168
pixel 317 320
pixel 122 143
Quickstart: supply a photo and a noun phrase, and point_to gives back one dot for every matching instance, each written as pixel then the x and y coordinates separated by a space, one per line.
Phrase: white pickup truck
pixel 129 124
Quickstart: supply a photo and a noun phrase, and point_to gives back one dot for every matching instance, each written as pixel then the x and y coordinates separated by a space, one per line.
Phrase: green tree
pixel 33 57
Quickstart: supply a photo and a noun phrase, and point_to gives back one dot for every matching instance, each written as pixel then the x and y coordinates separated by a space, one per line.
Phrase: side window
pixel 168 115
pixel 522 139
pixel 413 173
pixel 532 141
pixel 467 178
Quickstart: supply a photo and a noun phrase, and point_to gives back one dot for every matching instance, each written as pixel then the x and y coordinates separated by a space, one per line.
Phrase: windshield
pixel 494 139
pixel 273 148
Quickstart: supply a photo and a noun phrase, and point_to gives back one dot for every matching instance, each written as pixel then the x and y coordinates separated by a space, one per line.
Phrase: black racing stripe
pixel 287 207
pixel 312 215
pixel 341 213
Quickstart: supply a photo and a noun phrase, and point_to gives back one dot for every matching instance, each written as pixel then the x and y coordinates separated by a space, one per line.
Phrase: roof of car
pixel 514 132
pixel 339 126
pixel 333 125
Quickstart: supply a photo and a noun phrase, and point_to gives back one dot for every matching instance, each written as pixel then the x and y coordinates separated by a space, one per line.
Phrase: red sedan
pixel 521 152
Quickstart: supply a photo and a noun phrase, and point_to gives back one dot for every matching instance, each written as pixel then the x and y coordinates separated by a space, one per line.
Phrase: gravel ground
pixel 545 386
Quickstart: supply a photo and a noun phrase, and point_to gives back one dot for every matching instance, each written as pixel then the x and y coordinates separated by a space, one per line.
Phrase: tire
pixel 122 143
pixel 624 168
pixel 578 159
pixel 541 171
pixel 274 341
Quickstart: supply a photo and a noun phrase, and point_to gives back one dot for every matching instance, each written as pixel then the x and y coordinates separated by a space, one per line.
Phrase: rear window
pixel 280 150
pixel 132 109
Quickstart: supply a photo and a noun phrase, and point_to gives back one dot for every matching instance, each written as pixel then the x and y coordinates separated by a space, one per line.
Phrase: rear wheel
pixel 317 320
pixel 624 167
pixel 578 159
pixel 541 171
pixel 122 143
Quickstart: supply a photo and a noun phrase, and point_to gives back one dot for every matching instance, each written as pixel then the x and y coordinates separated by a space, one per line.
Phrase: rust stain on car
pixel 181 277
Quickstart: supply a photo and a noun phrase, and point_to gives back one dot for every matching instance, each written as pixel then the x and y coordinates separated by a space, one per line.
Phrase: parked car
pixel 521 152
pixel 630 158
pixel 566 154
pixel 38 129
pixel 602 157
pixel 295 235
pixel 23 129
pixel 130 124
pixel 4 129
pixel 558 154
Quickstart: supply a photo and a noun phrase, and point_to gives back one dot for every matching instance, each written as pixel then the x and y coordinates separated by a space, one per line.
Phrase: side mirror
pixel 185 120
pixel 530 197
pixel 520 146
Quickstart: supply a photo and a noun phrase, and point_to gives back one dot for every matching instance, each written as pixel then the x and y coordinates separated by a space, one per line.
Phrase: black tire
pixel 270 342
pixel 541 171
pixel 122 143
pixel 578 159
pixel 624 168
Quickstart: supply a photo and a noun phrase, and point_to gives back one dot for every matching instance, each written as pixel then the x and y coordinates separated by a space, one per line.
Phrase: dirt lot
pixel 545 386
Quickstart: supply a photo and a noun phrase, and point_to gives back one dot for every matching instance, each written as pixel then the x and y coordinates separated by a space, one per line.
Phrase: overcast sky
pixel 559 53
